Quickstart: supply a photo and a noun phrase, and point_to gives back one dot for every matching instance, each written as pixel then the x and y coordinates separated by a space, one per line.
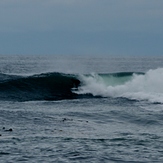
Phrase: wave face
pixel 49 86
pixel 136 86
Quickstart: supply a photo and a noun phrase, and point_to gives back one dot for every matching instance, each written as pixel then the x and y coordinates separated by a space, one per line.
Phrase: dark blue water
pixel 109 117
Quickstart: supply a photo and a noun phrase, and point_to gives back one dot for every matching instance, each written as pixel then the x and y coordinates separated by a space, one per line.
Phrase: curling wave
pixel 49 86
pixel 58 86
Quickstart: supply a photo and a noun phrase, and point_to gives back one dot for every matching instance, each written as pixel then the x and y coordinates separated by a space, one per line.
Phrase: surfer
pixel 8 129
pixel 75 82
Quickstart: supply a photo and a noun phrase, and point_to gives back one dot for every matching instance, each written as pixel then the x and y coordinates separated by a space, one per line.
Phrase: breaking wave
pixel 58 86
pixel 136 86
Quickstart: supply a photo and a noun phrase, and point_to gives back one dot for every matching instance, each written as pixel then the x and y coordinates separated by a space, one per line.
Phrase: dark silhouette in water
pixel 76 82
pixel 7 129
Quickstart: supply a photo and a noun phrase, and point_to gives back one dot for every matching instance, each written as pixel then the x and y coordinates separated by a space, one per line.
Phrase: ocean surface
pixel 78 109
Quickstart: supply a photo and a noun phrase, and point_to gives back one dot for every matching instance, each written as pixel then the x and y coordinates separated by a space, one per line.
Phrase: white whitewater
pixel 148 86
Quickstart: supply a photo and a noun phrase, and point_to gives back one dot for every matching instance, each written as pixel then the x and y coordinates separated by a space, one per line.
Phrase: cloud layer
pixel 108 27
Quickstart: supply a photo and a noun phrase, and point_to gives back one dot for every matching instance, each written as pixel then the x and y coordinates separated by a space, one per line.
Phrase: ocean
pixel 78 109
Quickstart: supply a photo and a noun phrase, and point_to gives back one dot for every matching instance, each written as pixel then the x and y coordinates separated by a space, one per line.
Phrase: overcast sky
pixel 81 27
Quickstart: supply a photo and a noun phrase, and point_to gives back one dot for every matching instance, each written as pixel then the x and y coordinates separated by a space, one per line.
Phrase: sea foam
pixel 147 86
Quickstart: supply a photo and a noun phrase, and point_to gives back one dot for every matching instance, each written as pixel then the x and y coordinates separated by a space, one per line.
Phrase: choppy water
pixel 113 114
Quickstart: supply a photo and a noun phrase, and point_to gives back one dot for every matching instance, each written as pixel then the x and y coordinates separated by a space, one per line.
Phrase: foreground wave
pixel 58 86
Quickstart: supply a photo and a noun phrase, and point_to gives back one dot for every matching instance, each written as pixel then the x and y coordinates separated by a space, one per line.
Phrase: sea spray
pixel 138 86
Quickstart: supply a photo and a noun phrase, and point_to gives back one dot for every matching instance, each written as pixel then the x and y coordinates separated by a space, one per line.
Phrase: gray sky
pixel 81 27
